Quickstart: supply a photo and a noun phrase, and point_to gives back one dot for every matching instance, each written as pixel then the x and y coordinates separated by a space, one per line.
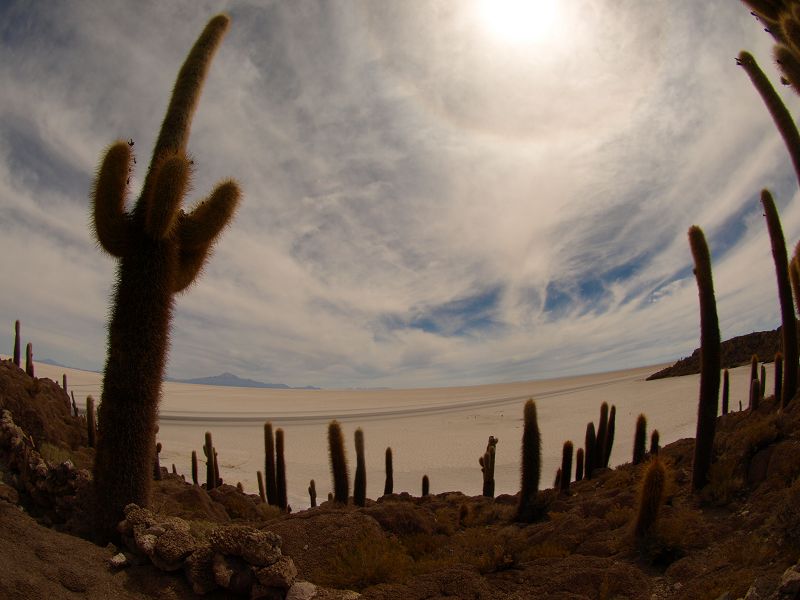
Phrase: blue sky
pixel 426 201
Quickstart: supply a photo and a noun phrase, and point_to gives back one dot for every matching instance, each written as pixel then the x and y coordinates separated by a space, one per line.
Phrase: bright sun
pixel 520 21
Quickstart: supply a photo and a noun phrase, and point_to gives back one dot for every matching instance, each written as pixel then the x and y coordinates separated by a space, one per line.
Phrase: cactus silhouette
pixel 602 431
pixel 341 483
pixel 487 467
pixel 312 493
pixel 589 458
pixel 753 367
pixel 29 359
pixel 91 422
pixel 726 385
pixel 788 319
pixel 709 360
pixel 426 486
pixel 579 464
pixel 609 444
pixel 778 376
pixel 161 250
pixel 194 467
pixel 360 480
pixel 211 468
pixel 16 344
pixel 261 492
pixel 269 465
pixel 763 381
pixel 388 486
pixel 654 440
pixel 652 495
pixel 157 463
pixel 755 394
pixel 280 471
pixel 566 466
pixel 531 465
pixel 639 439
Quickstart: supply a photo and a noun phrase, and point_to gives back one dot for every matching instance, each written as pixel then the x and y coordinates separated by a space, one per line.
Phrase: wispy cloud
pixel 424 205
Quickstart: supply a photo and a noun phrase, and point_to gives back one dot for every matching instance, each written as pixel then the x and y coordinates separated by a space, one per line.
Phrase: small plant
pixel 388 486
pixel 365 562
pixel 341 484
pixel 360 481
pixel 527 510
pixel 639 440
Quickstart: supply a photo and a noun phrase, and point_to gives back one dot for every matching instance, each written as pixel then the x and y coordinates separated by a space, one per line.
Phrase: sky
pixel 435 193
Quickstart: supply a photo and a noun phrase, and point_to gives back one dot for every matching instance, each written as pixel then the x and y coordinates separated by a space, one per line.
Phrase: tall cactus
pixel 602 432
pixel 566 466
pixel 269 465
pixel 261 492
pixel 341 483
pixel 531 465
pixel 312 493
pixel 788 319
pixel 726 386
pixel 388 486
pixel 29 359
pixel 487 466
pixel 194 467
pixel 650 499
pixel 709 360
pixel 17 347
pixel 639 439
pixel 280 471
pixel 211 459
pixel 426 486
pixel 161 250
pixel 360 481
pixel 589 460
pixel 609 445
pixel 579 464
pixel 91 422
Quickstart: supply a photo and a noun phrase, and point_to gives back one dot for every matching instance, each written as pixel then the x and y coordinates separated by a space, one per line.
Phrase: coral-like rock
pixel 198 570
pixel 280 574
pixel 258 547
pixel 233 573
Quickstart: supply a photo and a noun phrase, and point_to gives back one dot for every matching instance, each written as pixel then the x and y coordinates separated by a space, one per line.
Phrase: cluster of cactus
pixel 28 352
pixel 160 249
pixel 487 466
pixel 599 443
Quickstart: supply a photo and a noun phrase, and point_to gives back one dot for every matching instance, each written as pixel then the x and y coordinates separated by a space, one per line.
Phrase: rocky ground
pixel 739 538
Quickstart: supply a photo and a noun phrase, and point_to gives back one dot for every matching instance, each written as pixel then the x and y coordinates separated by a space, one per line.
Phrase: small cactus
pixel 566 466
pixel 755 394
pixel 330 496
pixel 487 467
pixel 426 486
pixel 579 465
pixel 388 486
pixel 261 492
pixel 269 465
pixel 194 467
pixel 753 368
pixel 651 497
pixel 312 493
pixel 557 479
pixel 341 484
pixel 639 440
pixel 29 359
pixel 64 382
pixel 360 481
pixel 211 471
pixel 16 344
pixel 654 441
pixel 726 385
pixel 763 382
pixel 280 471
pixel 602 432
pixel 91 421
pixel 531 465
pixel 74 406
pixel 157 462
pixel 239 487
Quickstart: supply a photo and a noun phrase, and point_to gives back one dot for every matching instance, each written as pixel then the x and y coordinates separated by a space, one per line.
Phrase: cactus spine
pixel 360 481
pixel 312 493
pixel 160 250
pixel 788 319
pixel 211 469
pixel 341 484
pixel 726 384
pixel 566 466
pixel 487 467
pixel 426 486
pixel 280 470
pixel 651 498
pixel 16 344
pixel 639 439
pixel 29 359
pixel 269 465
pixel 579 465
pixel 388 486
pixel 531 465
pixel 709 360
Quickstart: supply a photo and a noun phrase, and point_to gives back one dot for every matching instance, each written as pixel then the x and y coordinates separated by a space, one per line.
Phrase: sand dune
pixel 440 432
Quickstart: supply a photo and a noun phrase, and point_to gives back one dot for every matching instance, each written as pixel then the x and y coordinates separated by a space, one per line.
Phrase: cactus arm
pixel 201 226
pixel 176 126
pixel 109 219
pixel 161 215
pixel 780 114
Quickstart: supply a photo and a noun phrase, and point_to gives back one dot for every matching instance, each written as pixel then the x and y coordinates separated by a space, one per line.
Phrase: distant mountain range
pixel 231 380
pixel 734 352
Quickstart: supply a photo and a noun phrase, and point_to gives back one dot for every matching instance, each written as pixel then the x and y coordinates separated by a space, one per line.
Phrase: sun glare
pixel 520 21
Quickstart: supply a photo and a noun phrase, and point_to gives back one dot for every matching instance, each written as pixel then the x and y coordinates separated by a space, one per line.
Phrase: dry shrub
pixel 725 481
pixel 618 516
pixel 369 561
pixel 787 517
pixel 544 550
pixel 54 455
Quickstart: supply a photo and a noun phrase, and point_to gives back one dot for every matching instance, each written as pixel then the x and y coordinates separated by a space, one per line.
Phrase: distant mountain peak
pixel 230 380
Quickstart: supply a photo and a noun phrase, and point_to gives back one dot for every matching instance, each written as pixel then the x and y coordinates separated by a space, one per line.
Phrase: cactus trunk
pixel 360 481
pixel 280 471
pixel 388 486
